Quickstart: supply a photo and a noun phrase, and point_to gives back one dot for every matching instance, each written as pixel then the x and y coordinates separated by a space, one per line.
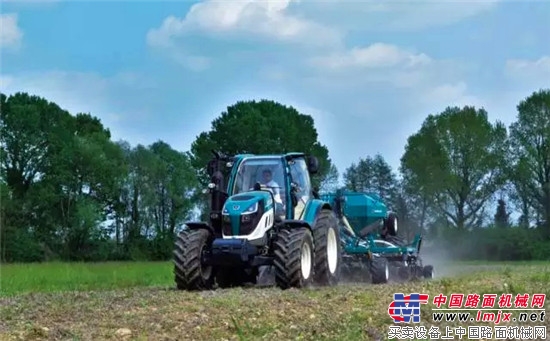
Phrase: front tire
pixel 190 273
pixel 328 250
pixel 293 258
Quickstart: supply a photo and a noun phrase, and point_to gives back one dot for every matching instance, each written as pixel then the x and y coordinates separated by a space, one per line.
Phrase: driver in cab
pixel 272 185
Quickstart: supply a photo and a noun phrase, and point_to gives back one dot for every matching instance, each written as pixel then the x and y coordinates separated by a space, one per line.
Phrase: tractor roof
pixel 285 155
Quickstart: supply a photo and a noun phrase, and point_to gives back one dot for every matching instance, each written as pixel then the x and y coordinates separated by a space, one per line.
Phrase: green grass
pixel 51 277
pixel 60 276
pixel 100 301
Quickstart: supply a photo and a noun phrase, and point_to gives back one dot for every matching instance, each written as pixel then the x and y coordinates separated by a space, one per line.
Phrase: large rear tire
pixel 190 273
pixel 293 258
pixel 328 250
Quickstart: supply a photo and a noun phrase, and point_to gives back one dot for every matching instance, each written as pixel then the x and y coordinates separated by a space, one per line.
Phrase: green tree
pixel 81 183
pixel 331 181
pixel 519 189
pixel 457 158
pixel 156 199
pixel 60 172
pixel 172 184
pixel 372 174
pixel 30 126
pixel 419 204
pixel 502 217
pixel 530 145
pixel 67 188
pixel 262 127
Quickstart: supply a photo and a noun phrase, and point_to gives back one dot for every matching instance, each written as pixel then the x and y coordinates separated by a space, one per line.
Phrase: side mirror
pixel 312 164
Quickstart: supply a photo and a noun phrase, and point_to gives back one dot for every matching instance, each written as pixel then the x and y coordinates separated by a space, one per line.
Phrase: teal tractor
pixel 369 239
pixel 268 215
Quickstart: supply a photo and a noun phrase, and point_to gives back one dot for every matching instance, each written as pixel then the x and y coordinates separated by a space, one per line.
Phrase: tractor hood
pixel 242 212
pixel 246 203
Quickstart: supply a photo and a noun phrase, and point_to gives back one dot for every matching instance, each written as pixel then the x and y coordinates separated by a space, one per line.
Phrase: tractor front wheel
pixel 190 273
pixel 328 252
pixel 293 258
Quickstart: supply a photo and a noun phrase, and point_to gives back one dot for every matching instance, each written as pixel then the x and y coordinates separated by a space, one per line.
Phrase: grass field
pixel 51 277
pixel 136 301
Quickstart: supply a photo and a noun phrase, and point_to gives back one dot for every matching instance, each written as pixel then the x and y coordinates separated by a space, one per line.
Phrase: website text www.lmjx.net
pixel 494 309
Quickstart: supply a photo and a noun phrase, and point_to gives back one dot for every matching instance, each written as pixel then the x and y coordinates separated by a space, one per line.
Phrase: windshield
pixel 266 171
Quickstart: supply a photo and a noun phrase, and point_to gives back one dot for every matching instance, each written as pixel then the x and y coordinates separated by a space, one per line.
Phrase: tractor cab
pixel 260 173
pixel 286 178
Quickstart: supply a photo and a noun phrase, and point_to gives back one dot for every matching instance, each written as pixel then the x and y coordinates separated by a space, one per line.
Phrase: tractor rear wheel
pixel 293 258
pixel 328 250
pixel 190 273
pixel 379 270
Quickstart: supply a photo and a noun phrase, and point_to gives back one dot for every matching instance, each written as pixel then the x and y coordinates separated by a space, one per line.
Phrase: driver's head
pixel 267 175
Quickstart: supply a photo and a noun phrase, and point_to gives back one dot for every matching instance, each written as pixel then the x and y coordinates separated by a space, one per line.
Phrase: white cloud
pixel 354 90
pixel 378 55
pixel 533 72
pixel 421 14
pixel 305 23
pixel 397 16
pixel 449 95
pixel 265 19
pixel 382 64
pixel 10 33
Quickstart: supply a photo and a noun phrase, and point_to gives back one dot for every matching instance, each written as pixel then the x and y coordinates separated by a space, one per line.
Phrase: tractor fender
pixel 293 223
pixel 200 225
pixel 312 210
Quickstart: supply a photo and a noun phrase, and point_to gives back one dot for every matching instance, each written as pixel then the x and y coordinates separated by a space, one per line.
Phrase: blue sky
pixel 369 72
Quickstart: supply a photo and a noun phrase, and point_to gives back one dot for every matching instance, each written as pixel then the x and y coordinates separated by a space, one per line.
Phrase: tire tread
pixel 188 260
pixel 287 262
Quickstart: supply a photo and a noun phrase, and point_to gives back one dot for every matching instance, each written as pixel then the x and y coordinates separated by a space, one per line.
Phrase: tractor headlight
pixel 252 209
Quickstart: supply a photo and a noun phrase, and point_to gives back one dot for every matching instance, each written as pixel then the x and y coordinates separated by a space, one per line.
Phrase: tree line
pixel 68 191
